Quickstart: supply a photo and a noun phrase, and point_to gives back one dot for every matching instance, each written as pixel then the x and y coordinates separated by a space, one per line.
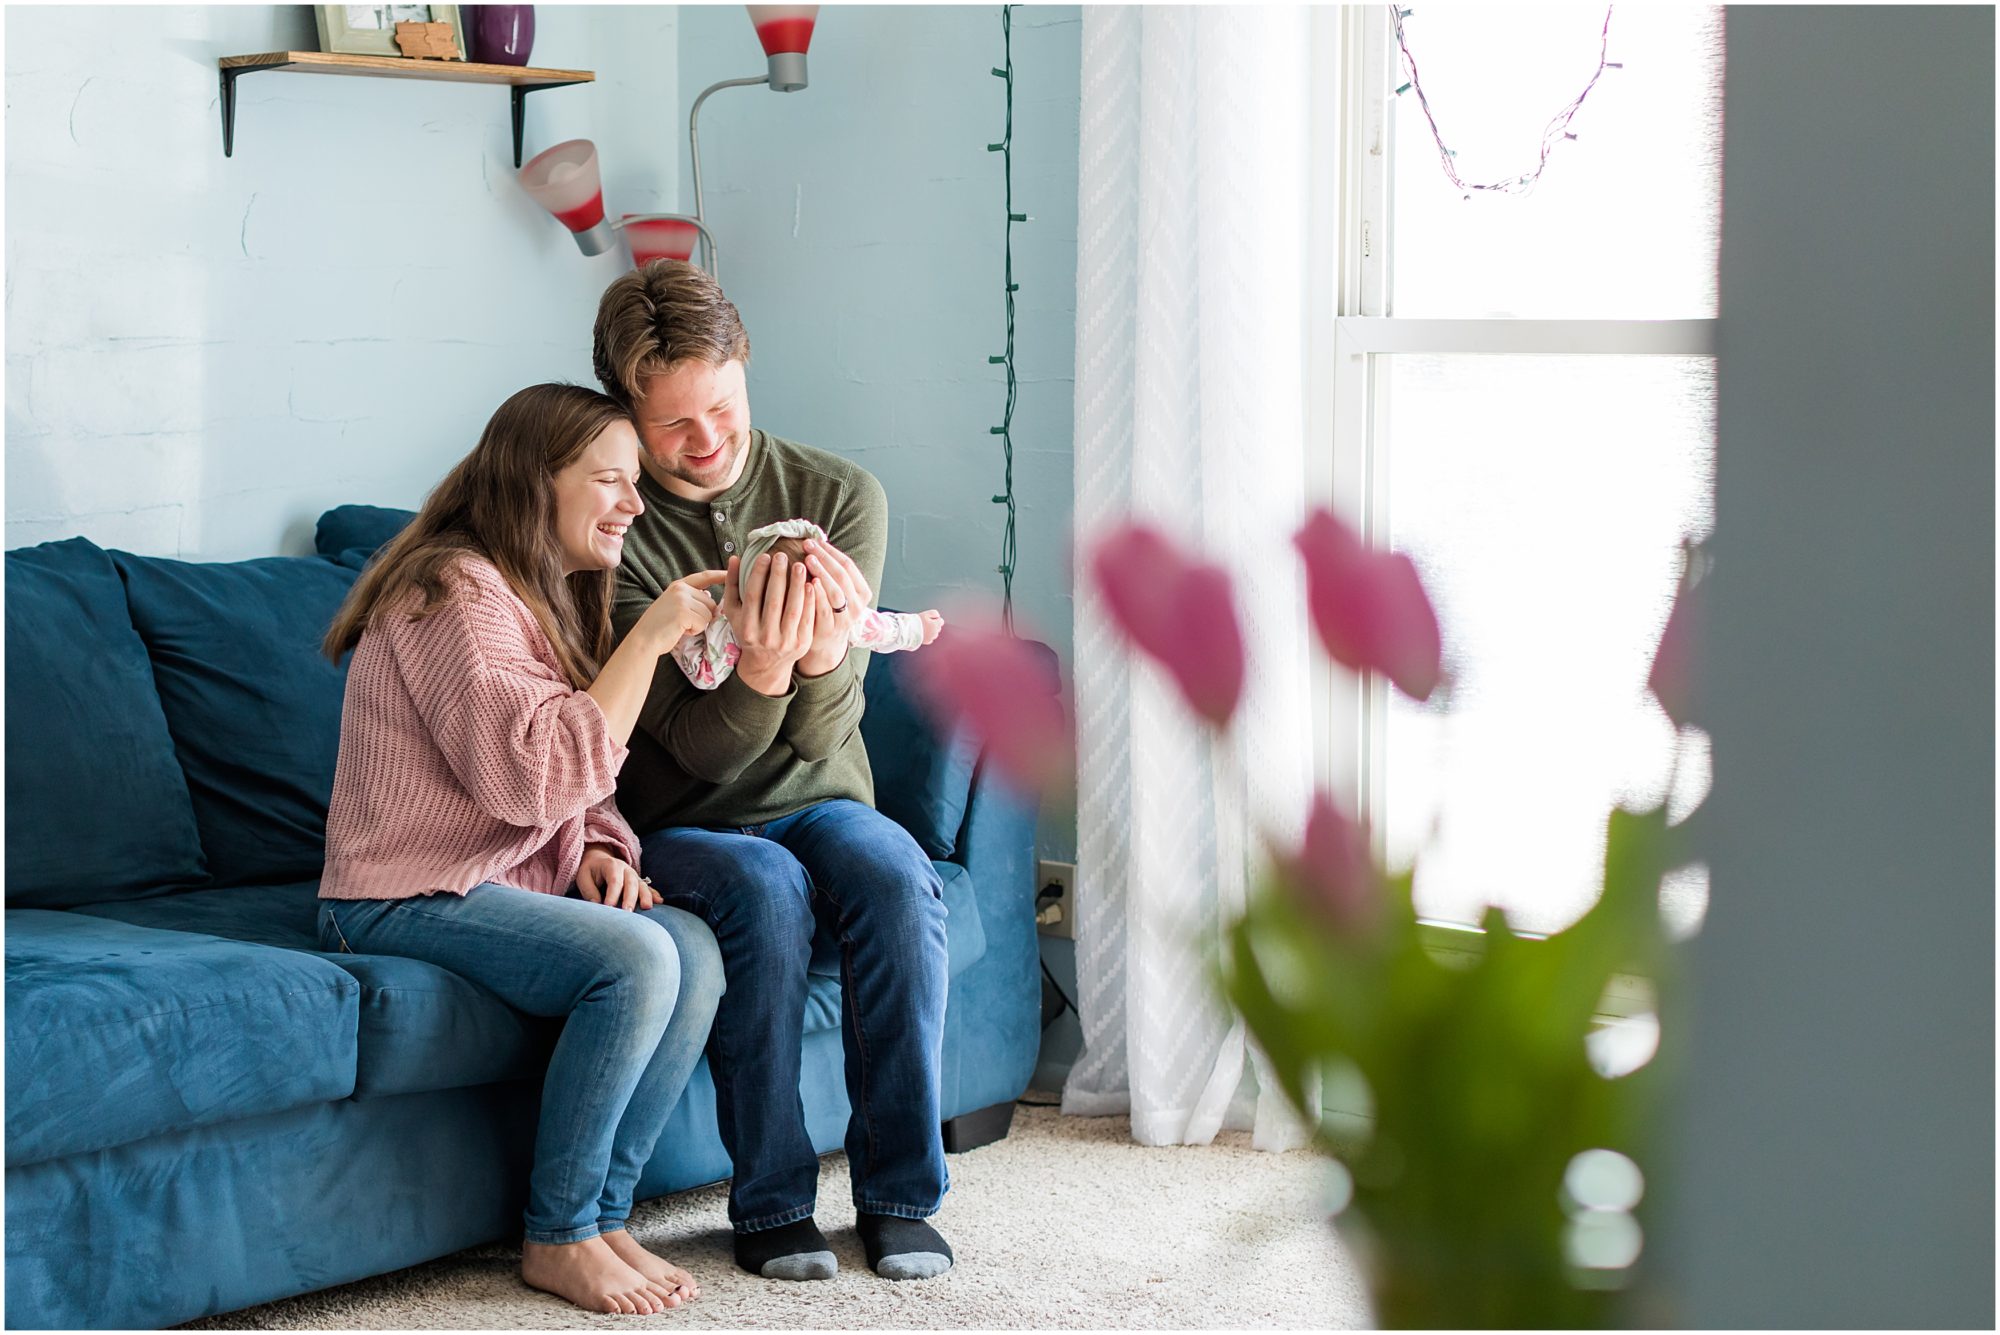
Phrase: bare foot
pixel 663 1274
pixel 591 1275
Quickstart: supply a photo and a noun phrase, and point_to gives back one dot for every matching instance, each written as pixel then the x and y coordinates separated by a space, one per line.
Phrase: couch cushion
pixel 421 1027
pixel 97 806
pixel 353 532
pixel 117 1032
pixel 253 705
pixel 922 779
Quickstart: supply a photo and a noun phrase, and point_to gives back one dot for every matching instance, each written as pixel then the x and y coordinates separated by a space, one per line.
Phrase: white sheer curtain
pixel 1189 413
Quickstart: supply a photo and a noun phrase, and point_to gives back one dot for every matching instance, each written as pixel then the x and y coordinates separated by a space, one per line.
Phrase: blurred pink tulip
pixel 1673 663
pixel 1335 872
pixel 1001 690
pixel 1179 612
pixel 1370 607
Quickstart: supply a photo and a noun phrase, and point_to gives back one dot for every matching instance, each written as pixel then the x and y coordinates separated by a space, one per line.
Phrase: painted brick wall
pixel 203 353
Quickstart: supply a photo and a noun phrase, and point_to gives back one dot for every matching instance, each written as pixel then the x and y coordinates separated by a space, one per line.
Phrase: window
pixel 1523 400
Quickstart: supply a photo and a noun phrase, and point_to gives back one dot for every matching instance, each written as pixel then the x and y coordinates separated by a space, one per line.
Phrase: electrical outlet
pixel 1056 915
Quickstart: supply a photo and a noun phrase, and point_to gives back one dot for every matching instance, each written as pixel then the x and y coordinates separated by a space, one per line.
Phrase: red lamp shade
pixel 564 181
pixel 786 31
pixel 658 238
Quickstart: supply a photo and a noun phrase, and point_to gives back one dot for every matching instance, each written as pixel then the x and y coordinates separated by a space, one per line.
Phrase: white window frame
pixel 1350 328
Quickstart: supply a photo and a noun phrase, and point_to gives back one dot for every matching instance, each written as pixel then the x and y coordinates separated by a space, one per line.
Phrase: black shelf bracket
pixel 230 74
pixel 520 101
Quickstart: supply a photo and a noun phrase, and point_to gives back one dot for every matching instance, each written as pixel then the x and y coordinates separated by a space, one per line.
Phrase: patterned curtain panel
pixel 1189 413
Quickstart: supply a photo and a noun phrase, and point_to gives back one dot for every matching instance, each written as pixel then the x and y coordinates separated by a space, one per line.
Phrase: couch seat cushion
pixel 253 705
pixel 117 1032
pixel 97 806
pixel 420 1027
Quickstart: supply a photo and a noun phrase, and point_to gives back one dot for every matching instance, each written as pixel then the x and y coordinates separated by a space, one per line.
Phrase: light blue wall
pixel 203 353
pixel 861 227
pixel 862 235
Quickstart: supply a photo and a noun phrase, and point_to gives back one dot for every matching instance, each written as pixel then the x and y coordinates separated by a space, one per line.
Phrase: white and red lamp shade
pixel 654 237
pixel 564 181
pixel 786 31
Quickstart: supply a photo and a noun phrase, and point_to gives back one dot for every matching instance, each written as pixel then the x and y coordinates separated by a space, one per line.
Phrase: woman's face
pixel 597 498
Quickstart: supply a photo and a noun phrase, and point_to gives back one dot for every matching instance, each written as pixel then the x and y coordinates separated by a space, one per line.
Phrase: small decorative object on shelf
pixel 427 41
pixel 370 30
pixel 502 34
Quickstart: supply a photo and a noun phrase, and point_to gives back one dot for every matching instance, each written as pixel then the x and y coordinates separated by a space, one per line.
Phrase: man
pixel 754 801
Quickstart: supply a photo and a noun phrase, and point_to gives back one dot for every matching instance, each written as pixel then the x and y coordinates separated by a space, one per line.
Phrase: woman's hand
pixel 844 599
pixel 606 878
pixel 683 608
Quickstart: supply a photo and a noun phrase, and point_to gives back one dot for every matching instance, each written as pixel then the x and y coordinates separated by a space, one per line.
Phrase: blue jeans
pixel 639 990
pixel 763 889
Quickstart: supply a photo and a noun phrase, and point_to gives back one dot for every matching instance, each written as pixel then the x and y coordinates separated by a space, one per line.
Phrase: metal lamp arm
pixel 694 151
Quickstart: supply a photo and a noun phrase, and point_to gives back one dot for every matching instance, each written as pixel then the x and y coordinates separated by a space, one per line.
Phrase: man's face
pixel 694 426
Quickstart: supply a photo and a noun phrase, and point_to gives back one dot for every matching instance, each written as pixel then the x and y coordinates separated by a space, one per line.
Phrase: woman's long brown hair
pixel 499 503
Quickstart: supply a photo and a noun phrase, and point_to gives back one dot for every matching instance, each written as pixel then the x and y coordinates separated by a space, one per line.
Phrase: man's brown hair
pixel 665 312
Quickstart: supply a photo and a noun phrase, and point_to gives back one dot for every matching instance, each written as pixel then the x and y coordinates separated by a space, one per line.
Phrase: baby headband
pixel 761 540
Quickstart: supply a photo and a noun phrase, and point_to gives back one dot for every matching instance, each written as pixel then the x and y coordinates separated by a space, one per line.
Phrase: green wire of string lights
pixel 1005 148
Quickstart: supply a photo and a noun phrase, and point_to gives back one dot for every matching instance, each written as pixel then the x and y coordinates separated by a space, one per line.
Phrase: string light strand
pixel 1556 133
pixel 1005 148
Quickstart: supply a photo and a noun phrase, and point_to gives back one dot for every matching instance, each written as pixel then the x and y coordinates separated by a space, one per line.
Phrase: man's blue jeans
pixel 639 989
pixel 845 865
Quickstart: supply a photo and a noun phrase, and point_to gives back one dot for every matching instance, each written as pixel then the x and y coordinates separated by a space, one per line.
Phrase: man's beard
pixel 719 467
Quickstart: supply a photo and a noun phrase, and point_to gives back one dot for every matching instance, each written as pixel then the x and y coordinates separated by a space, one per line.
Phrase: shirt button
pixel 721 517
pixel 728 546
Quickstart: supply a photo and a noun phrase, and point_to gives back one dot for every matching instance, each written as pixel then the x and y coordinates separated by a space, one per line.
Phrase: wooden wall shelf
pixel 520 80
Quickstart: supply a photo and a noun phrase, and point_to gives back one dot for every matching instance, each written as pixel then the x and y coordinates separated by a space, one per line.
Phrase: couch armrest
pixel 993 1015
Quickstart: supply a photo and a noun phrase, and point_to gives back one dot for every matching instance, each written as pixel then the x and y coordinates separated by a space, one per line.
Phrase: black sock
pixel 901 1248
pixel 789 1251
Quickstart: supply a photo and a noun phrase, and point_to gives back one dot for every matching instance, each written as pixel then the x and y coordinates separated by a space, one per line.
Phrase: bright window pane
pixel 1544 500
pixel 1624 221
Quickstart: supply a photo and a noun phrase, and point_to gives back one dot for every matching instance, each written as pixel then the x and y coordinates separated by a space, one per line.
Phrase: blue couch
pixel 206 1111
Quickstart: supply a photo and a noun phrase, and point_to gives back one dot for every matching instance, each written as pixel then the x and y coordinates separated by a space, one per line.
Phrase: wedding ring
pixel 841 608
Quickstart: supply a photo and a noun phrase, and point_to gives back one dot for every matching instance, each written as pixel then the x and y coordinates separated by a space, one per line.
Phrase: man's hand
pixel 606 878
pixel 773 618
pixel 843 599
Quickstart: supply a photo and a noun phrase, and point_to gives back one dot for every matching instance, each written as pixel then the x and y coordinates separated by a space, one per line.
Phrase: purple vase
pixel 502 34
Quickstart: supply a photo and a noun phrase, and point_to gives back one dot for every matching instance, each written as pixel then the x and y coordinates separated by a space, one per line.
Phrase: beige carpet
pixel 1066 1224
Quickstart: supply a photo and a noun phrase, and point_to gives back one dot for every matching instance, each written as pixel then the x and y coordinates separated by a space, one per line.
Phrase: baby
pixel 708 657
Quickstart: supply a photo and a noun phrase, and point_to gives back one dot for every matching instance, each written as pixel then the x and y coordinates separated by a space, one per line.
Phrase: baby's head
pixel 794 550
pixel 787 537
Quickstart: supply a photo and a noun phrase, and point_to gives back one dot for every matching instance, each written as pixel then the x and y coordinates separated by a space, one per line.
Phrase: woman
pixel 484 724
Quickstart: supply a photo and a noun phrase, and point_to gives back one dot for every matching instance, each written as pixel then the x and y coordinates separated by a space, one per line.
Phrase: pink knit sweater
pixel 466 756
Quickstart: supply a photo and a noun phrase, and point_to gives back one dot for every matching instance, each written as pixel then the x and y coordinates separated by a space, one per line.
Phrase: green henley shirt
pixel 732 757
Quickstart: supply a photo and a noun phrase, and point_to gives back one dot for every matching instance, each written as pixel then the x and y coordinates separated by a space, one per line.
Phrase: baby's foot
pixel 589 1274
pixel 678 1285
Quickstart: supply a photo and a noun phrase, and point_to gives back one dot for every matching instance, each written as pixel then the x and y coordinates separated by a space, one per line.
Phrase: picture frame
pixel 370 30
